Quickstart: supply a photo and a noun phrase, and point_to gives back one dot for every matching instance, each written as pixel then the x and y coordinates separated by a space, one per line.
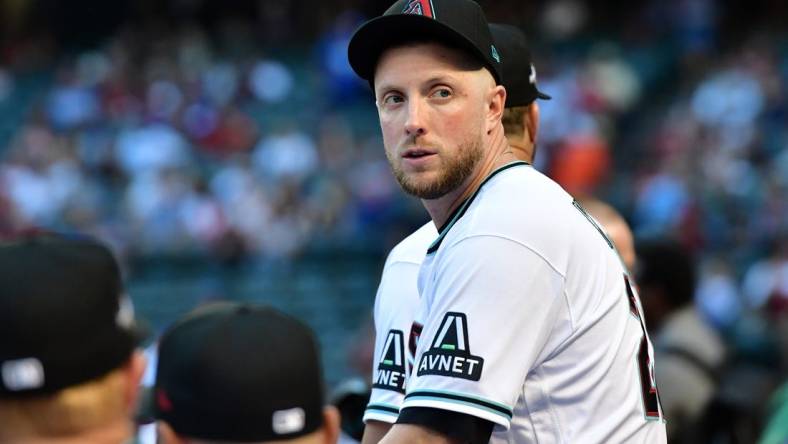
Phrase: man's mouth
pixel 416 153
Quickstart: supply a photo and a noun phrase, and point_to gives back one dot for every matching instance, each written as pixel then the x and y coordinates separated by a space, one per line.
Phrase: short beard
pixel 454 173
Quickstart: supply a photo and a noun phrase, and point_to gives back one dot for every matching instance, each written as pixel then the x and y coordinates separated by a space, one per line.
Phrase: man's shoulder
pixel 528 209
pixel 519 204
pixel 413 248
pixel 521 189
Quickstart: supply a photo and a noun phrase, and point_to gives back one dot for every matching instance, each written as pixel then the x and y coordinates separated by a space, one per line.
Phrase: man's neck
pixel 495 157
pixel 522 150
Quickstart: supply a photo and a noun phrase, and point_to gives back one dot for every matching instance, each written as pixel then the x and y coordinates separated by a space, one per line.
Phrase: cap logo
pixel 23 374
pixel 419 7
pixel 532 76
pixel 289 421
pixel 494 53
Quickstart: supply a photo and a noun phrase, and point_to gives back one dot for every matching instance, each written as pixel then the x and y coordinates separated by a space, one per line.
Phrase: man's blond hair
pixel 70 411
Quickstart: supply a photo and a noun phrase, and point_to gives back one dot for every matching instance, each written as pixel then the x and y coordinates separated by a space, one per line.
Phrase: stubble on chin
pixel 452 172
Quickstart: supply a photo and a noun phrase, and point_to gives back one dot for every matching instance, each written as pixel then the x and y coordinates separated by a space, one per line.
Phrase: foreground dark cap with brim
pixel 239 373
pixel 456 23
pixel 519 74
pixel 64 319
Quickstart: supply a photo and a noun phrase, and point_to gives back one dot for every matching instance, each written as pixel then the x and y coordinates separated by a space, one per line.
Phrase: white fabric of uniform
pixel 396 302
pixel 547 310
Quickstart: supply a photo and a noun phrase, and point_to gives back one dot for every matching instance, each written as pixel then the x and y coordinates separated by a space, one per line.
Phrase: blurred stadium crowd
pixel 240 133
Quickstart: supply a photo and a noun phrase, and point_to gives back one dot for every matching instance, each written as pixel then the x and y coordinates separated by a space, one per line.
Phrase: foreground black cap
pixel 241 373
pixel 63 317
pixel 519 74
pixel 458 23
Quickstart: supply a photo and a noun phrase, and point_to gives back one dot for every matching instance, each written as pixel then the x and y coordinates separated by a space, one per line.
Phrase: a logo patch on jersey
pixel 419 7
pixel 390 374
pixel 450 352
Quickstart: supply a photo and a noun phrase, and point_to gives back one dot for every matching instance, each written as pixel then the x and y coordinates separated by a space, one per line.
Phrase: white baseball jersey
pixel 396 303
pixel 530 322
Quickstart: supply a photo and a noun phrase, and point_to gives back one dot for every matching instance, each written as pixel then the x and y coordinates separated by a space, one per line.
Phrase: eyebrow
pixel 441 79
pixel 444 78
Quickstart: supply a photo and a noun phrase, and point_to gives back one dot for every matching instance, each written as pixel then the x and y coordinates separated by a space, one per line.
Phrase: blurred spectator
pixel 688 354
pixel 766 281
pixel 150 149
pixel 270 81
pixel 616 228
pixel 717 298
pixel 288 154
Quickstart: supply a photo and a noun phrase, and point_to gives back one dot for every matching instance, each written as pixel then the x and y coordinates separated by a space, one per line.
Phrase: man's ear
pixel 531 121
pixel 496 104
pixel 330 430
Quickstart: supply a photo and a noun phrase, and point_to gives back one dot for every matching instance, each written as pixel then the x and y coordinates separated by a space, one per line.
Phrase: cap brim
pixel 382 33
pixel 543 96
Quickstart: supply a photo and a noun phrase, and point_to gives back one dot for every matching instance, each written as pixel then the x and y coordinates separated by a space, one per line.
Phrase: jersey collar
pixel 460 210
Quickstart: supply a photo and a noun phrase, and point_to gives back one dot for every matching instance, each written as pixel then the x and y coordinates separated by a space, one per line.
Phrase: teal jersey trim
pixel 387 409
pixel 497 408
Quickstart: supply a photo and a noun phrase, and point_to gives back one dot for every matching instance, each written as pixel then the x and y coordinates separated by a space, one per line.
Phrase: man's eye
pixel 442 93
pixel 392 99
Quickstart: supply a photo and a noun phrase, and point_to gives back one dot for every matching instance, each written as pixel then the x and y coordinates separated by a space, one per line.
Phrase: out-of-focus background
pixel 225 150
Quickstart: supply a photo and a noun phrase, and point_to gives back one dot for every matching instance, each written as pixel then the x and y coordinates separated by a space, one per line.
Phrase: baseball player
pixel 69 357
pixel 240 373
pixel 397 298
pixel 615 227
pixel 528 329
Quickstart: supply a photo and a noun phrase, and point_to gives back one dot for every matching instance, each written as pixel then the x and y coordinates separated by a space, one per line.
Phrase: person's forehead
pixel 424 61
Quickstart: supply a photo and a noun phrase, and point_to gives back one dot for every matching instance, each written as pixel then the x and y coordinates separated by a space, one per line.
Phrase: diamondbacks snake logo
pixel 419 7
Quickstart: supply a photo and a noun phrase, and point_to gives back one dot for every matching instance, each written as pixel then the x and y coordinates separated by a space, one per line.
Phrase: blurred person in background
pixel 766 290
pixel 69 358
pixel 397 297
pixel 616 228
pixel 688 353
pixel 231 372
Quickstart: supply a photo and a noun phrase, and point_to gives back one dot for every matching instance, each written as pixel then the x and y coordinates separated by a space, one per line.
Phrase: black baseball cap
pixel 64 318
pixel 457 23
pixel 241 373
pixel 519 74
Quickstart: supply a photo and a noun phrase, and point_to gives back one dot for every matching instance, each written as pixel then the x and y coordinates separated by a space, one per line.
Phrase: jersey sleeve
pixel 396 302
pixel 487 316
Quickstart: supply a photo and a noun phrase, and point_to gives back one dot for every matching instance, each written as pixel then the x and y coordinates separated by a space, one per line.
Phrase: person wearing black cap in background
pixel 528 329
pixel 240 373
pixel 521 116
pixel 397 297
pixel 69 363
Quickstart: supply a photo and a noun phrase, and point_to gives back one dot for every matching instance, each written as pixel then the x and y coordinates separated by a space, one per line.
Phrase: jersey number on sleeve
pixel 648 384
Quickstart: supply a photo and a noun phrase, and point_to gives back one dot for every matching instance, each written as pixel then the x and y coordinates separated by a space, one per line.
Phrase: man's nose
pixel 415 124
